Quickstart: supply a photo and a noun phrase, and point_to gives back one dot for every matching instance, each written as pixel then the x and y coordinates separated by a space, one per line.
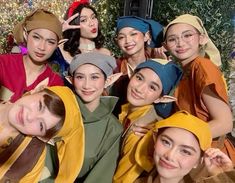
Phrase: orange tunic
pixel 199 74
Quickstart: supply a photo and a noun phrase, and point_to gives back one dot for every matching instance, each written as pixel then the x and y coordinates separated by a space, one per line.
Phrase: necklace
pixel 87 47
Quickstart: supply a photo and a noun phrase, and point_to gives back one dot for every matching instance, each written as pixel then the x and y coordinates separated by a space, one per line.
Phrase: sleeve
pixel 228 177
pixel 205 73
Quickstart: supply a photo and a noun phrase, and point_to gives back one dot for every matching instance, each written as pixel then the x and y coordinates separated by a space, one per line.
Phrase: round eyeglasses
pixel 185 36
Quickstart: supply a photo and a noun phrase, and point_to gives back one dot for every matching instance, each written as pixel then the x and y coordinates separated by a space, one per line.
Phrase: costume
pixel 131 159
pixel 13 77
pixel 58 61
pixel 228 177
pixel 29 153
pixel 196 77
pixel 102 142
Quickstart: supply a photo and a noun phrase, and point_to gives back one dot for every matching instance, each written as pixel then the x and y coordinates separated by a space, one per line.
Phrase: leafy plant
pixel 215 14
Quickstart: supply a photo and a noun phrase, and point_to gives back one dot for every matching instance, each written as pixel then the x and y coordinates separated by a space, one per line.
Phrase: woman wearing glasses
pixel 202 90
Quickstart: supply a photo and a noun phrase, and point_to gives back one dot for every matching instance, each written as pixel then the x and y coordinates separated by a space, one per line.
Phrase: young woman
pixel 88 37
pixel 181 143
pixel 40 31
pixel 26 127
pixel 202 90
pixel 135 37
pixel 82 33
pixel 40 114
pixel 149 100
pixel 92 72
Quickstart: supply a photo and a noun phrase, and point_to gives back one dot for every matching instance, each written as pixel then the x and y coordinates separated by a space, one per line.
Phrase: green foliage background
pixel 215 14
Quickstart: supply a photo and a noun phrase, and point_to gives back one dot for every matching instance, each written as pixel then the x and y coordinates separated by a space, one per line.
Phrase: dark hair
pixel 73 35
pixel 56 106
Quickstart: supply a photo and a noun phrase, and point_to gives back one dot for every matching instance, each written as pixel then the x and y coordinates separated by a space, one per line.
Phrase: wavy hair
pixel 73 35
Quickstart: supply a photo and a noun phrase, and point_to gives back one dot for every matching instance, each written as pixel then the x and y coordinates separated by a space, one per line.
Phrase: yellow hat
pixel 184 120
pixel 210 51
pixel 38 19
pixel 181 119
pixel 70 138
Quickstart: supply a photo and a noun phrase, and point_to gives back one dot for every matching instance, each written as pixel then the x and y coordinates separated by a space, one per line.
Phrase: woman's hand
pixel 216 161
pixel 141 129
pixel 161 53
pixel 66 25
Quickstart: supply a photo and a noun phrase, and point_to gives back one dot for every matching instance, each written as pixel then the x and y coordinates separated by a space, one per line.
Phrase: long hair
pixel 73 35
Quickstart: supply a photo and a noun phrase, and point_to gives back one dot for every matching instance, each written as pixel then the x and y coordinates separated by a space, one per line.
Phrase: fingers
pixel 72 17
pixel 160 53
pixel 66 23
pixel 217 157
pixel 214 153
pixel 74 26
pixel 140 129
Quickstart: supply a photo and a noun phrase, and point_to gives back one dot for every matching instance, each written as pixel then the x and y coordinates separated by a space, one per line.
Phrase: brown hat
pixel 38 19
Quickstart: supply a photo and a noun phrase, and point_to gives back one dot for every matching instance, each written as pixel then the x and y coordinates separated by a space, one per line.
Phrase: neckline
pixel 87 47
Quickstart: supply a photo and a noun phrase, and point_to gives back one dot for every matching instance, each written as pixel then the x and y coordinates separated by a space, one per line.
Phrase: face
pixel 41 43
pixel 183 41
pixel 89 83
pixel 176 152
pixel 144 88
pixel 88 23
pixel 131 41
pixel 30 116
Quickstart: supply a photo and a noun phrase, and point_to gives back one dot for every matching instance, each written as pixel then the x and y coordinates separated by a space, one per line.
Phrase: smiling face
pixel 89 83
pixel 144 88
pixel 30 115
pixel 183 41
pixel 131 41
pixel 177 151
pixel 88 23
pixel 41 43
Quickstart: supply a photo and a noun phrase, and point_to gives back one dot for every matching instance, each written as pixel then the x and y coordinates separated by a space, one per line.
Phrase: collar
pixel 139 112
pixel 105 108
pixel 87 47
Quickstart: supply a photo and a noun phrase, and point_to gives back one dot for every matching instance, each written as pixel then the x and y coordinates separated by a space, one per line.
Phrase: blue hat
pixel 170 75
pixel 143 25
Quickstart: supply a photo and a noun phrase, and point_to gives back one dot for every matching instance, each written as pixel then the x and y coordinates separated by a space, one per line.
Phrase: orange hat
pixel 184 120
pixel 181 119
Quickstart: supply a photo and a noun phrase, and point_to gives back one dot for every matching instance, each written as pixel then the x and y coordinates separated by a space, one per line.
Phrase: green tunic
pixel 102 142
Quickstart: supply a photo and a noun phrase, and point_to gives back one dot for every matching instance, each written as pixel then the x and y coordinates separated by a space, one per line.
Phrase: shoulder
pixel 105 51
pixel 11 57
pixel 204 63
pixel 206 67
pixel 11 62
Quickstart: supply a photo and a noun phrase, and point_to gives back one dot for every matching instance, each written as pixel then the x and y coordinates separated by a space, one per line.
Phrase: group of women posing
pixel 161 128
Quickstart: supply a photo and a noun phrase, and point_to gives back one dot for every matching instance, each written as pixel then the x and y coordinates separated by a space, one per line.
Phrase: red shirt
pixel 13 76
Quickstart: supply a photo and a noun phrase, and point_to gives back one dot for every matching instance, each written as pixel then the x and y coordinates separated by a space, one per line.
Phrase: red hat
pixel 74 5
